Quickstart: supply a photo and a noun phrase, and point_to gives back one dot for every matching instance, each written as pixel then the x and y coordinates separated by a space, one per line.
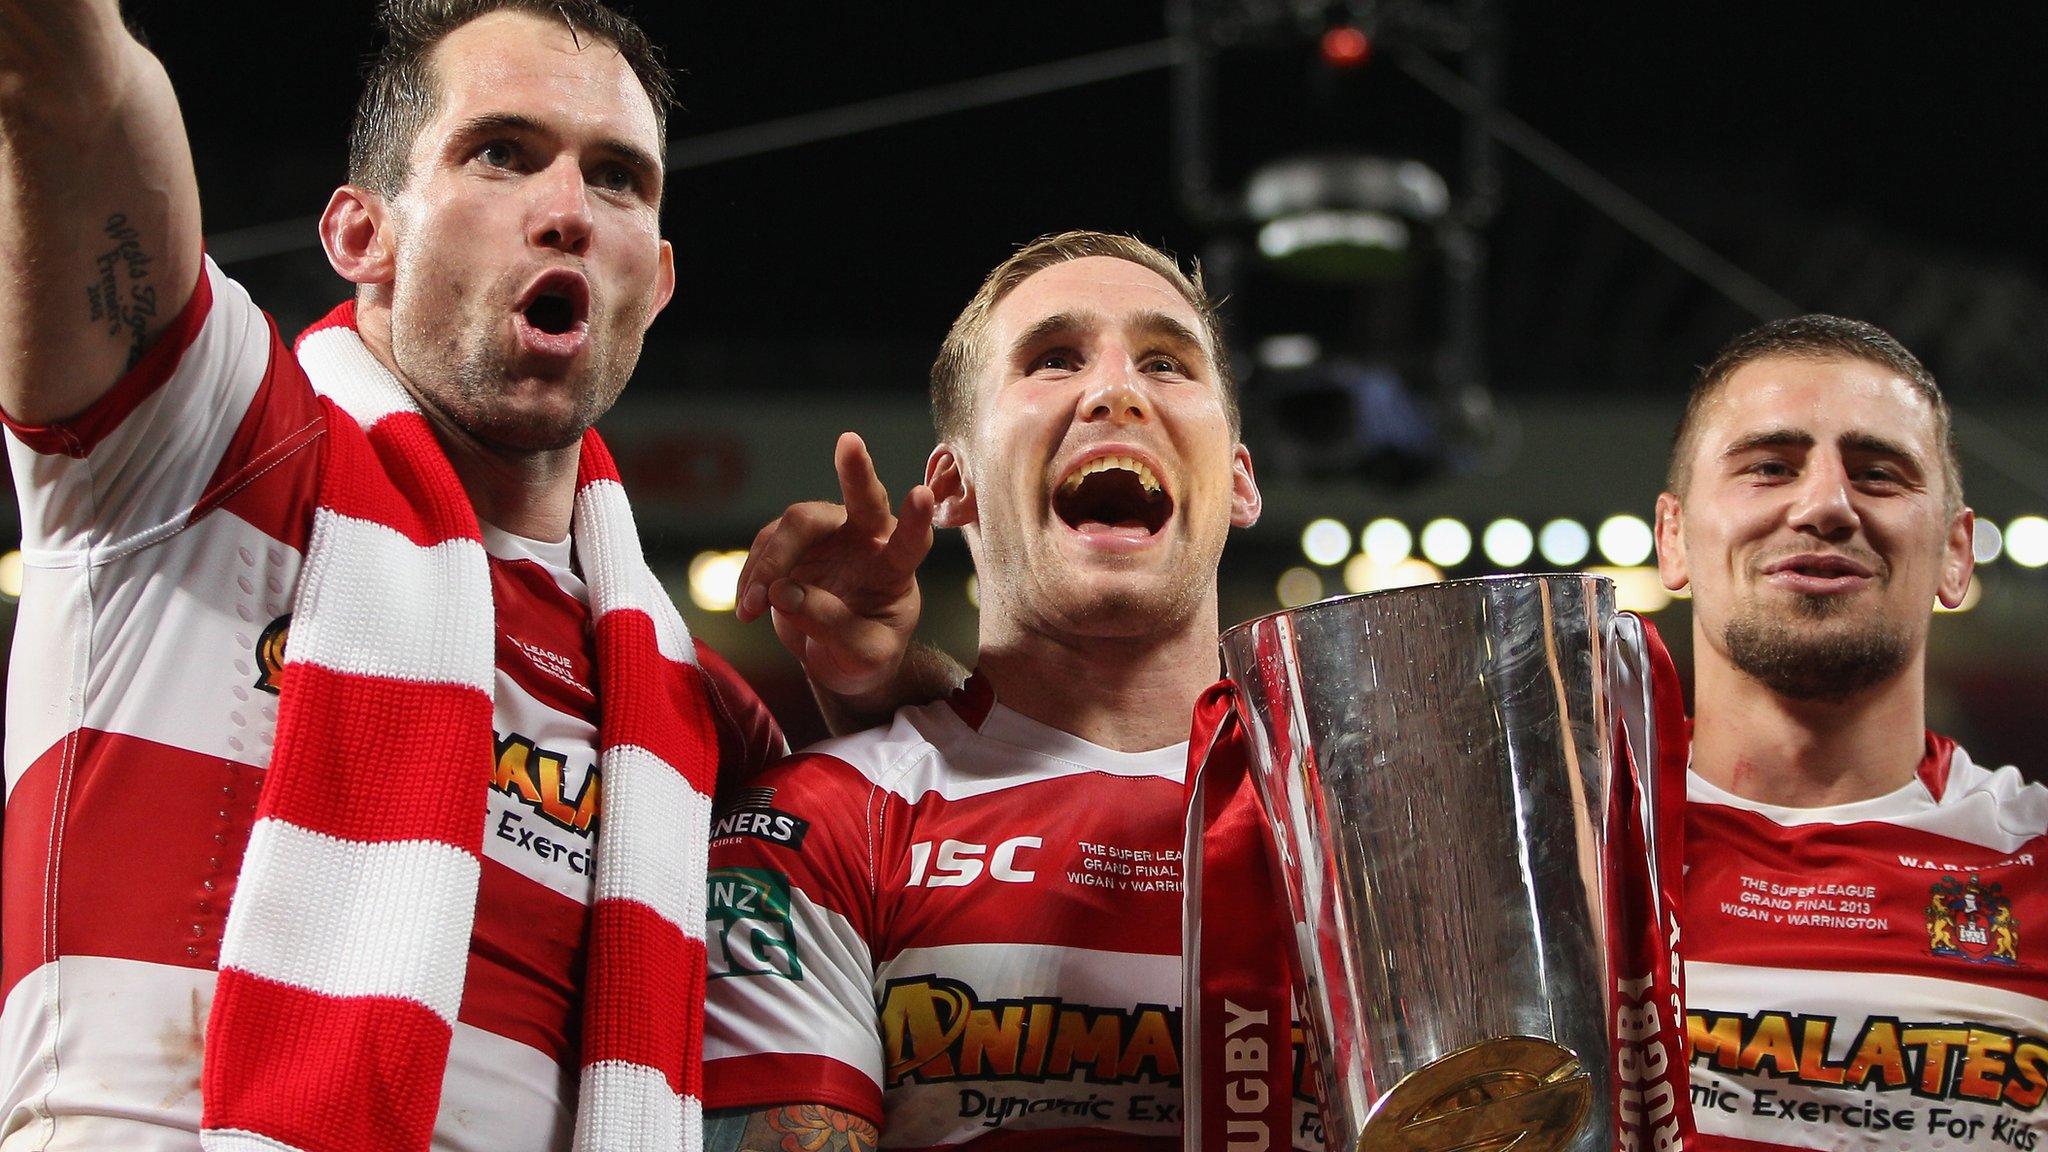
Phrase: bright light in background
pixel 1507 543
pixel 1564 542
pixel 1386 542
pixel 1299 586
pixel 715 580
pixel 1294 350
pixel 1446 543
pixel 1971 595
pixel 2026 541
pixel 1626 540
pixel 1986 542
pixel 10 576
pixel 1325 542
pixel 1636 589
pixel 973 591
pixel 1288 235
pixel 1363 574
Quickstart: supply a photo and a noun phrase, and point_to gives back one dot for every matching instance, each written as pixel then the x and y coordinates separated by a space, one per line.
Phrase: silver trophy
pixel 1436 764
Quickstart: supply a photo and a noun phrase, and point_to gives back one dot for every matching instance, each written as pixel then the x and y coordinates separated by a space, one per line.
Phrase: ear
pixel 664 281
pixel 1245 501
pixel 1671 563
pixel 945 473
pixel 1958 559
pixel 355 231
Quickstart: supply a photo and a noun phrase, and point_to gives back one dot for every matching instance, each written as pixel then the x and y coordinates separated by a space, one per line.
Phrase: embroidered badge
pixel 1971 920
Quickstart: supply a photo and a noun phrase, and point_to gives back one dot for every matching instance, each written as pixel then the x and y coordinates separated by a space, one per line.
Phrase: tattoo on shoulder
pixel 807 1128
pixel 121 295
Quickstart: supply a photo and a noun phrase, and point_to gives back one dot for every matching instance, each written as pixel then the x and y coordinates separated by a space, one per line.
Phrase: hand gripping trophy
pixel 1439 821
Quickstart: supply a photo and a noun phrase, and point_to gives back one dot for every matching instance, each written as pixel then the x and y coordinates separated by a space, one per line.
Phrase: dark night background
pixel 1880 159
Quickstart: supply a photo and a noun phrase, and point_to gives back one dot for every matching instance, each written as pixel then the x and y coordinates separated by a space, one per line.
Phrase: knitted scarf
pixel 348 939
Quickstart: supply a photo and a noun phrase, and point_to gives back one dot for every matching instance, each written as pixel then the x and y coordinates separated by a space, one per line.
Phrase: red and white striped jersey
pixel 964 927
pixel 163 535
pixel 1870 975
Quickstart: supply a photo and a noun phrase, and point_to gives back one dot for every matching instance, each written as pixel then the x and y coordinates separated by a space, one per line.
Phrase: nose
pixel 1824 505
pixel 1115 395
pixel 561 217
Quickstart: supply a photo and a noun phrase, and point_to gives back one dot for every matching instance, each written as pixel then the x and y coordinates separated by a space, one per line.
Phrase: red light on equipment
pixel 1345 47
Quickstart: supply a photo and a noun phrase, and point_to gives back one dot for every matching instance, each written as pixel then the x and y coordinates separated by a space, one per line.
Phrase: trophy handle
pixel 1235 978
pixel 1642 684
pixel 1631 693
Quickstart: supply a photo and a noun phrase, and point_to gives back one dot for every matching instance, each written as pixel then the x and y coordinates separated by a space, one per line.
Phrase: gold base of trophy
pixel 1512 1092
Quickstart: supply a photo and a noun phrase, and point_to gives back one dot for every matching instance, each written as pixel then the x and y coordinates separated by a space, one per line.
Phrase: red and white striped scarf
pixel 346 945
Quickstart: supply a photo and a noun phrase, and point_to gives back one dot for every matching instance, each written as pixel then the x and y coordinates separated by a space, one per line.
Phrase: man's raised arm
pixel 99 207
pixel 840 581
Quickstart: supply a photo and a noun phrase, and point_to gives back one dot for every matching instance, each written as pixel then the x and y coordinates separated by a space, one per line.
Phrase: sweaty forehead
pixel 1106 289
pixel 521 63
pixel 1826 399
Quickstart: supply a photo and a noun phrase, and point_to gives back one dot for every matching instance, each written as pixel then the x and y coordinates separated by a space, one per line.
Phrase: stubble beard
pixel 475 381
pixel 1829 663
pixel 1063 602
pixel 1125 612
pixel 480 382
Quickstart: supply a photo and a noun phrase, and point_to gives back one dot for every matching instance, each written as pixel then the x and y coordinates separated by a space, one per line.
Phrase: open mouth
pixel 1113 492
pixel 552 314
pixel 556 303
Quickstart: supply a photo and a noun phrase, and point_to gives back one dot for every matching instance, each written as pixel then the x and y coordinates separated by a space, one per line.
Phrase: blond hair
pixel 962 354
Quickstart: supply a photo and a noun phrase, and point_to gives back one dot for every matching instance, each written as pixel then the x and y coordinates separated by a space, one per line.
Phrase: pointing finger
pixel 867 499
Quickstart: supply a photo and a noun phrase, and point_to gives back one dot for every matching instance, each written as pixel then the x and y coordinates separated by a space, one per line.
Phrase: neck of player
pixel 1127 693
pixel 526 493
pixel 1765 747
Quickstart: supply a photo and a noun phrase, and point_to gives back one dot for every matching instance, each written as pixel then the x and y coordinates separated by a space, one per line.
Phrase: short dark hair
pixel 1816 336
pixel 400 93
pixel 962 353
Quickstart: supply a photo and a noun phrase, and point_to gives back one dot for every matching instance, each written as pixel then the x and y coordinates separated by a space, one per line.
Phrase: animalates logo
pixel 748 913
pixel 753 813
pixel 270 653
pixel 538 778
pixel 937 1029
pixel 1971 920
pixel 1933 1061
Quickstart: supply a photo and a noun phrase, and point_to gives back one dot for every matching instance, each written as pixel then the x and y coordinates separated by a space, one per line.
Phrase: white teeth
pixel 1104 463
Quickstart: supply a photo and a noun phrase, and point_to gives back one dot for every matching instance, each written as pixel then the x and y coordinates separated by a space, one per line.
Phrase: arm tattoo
pixel 790 1128
pixel 121 295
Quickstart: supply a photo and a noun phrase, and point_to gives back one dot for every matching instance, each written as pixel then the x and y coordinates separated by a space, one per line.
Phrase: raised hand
pixel 840 580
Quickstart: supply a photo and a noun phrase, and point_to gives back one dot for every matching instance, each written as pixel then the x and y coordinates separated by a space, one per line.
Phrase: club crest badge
pixel 270 654
pixel 1971 920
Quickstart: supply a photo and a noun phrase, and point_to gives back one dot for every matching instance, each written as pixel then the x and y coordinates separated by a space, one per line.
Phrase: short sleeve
pixel 149 451
pixel 749 739
pixel 790 1006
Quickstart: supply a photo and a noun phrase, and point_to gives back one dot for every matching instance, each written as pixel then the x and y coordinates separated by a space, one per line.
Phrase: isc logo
pixel 958 863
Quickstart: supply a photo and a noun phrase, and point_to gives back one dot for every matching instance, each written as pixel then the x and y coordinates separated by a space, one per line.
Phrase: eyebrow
pixel 1863 442
pixel 1871 445
pixel 1152 325
pixel 624 151
pixel 1769 438
pixel 1160 326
